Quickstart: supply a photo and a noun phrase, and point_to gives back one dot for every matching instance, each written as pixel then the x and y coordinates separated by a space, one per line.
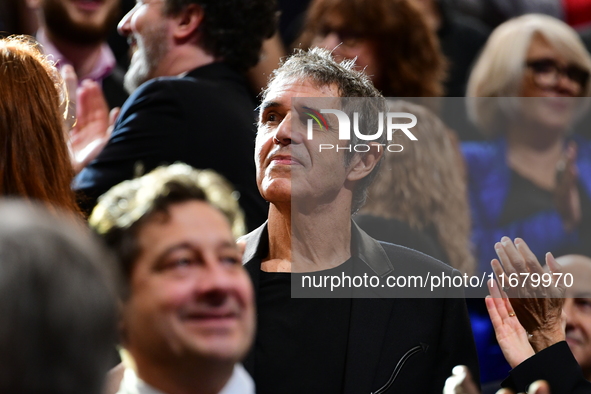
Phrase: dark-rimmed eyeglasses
pixel 547 71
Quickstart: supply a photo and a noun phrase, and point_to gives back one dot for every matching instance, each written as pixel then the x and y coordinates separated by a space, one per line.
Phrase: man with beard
pixel 194 104
pixel 74 32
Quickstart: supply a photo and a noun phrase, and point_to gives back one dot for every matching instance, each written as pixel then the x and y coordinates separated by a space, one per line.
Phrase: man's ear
pixel 364 163
pixel 188 21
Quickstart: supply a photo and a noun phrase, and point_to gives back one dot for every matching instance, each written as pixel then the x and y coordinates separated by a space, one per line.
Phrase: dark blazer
pixel 113 89
pixel 204 119
pixel 556 365
pixel 395 345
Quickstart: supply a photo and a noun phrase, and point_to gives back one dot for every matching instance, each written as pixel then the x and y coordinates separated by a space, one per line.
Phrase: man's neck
pixel 307 241
pixel 183 59
pixel 82 57
pixel 191 377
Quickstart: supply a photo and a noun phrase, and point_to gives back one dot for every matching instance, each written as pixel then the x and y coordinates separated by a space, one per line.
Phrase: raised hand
pixel 566 193
pixel 94 124
pixel 536 296
pixel 511 336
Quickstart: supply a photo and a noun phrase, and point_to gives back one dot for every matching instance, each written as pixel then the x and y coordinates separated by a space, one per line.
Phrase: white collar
pixel 240 383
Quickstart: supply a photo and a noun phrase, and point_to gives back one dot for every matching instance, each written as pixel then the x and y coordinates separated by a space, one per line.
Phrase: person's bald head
pixel 579 267
pixel 578 308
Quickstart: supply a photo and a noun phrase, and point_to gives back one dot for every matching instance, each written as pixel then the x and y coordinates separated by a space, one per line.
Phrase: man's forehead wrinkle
pixel 269 104
pixel 300 79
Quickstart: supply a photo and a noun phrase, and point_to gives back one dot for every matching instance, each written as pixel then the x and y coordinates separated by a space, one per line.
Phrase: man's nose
pixel 571 316
pixel 124 27
pixel 283 133
pixel 214 284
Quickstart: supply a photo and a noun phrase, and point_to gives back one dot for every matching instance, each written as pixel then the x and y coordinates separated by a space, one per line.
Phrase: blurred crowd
pixel 140 139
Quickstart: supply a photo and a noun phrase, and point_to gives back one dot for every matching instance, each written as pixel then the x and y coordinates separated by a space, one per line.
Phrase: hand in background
pixel 536 302
pixel 460 382
pixel 537 387
pixel 511 335
pixel 93 127
pixel 566 193
pixel 69 101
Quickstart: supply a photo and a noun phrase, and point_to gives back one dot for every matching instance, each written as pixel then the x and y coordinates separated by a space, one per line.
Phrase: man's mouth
pixel 287 160
pixel 88 5
pixel 132 42
pixel 211 319
pixel 573 340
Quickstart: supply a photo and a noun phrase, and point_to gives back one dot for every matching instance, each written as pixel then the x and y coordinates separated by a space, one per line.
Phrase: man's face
pixel 80 21
pixel 578 309
pixel 147 30
pixel 289 165
pixel 190 299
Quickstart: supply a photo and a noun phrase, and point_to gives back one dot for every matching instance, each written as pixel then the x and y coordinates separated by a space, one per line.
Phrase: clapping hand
pixel 536 296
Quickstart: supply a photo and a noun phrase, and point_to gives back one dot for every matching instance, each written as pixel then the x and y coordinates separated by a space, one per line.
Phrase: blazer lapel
pixel 252 242
pixel 370 317
pixel 367 332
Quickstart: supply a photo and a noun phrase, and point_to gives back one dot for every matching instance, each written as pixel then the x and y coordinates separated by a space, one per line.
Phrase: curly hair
pixel 34 157
pixel 424 186
pixel 233 30
pixel 411 63
pixel 127 207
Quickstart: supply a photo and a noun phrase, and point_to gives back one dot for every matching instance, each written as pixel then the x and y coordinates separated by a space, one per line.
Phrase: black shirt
pixel 313 334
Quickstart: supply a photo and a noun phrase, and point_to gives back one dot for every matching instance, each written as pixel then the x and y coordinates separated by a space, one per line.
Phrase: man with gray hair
pixel 314 180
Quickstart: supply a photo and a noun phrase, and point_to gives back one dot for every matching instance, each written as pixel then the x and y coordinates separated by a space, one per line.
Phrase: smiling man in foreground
pixel 188 315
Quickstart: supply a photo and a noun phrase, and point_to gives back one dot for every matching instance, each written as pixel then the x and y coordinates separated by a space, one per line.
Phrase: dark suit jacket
pixel 113 89
pixel 204 119
pixel 556 365
pixel 395 345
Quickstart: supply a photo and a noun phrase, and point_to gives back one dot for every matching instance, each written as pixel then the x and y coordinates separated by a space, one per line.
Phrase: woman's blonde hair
pixel 424 186
pixel 499 70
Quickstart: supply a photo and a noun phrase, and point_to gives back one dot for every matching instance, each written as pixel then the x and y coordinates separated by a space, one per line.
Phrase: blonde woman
pixel 531 179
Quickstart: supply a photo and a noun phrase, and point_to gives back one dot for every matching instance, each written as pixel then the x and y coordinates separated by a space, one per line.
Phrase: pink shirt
pixel 102 68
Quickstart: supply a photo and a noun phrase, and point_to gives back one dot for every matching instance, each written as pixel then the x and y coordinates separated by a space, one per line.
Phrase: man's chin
pixel 575 346
pixel 83 34
pixel 134 78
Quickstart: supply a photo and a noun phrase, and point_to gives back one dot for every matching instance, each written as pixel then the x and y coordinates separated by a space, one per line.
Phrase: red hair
pixel 34 157
pixel 410 60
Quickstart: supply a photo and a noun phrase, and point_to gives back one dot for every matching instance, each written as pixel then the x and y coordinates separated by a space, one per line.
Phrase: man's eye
pixel 271 118
pixel 583 302
pixel 179 263
pixel 231 260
